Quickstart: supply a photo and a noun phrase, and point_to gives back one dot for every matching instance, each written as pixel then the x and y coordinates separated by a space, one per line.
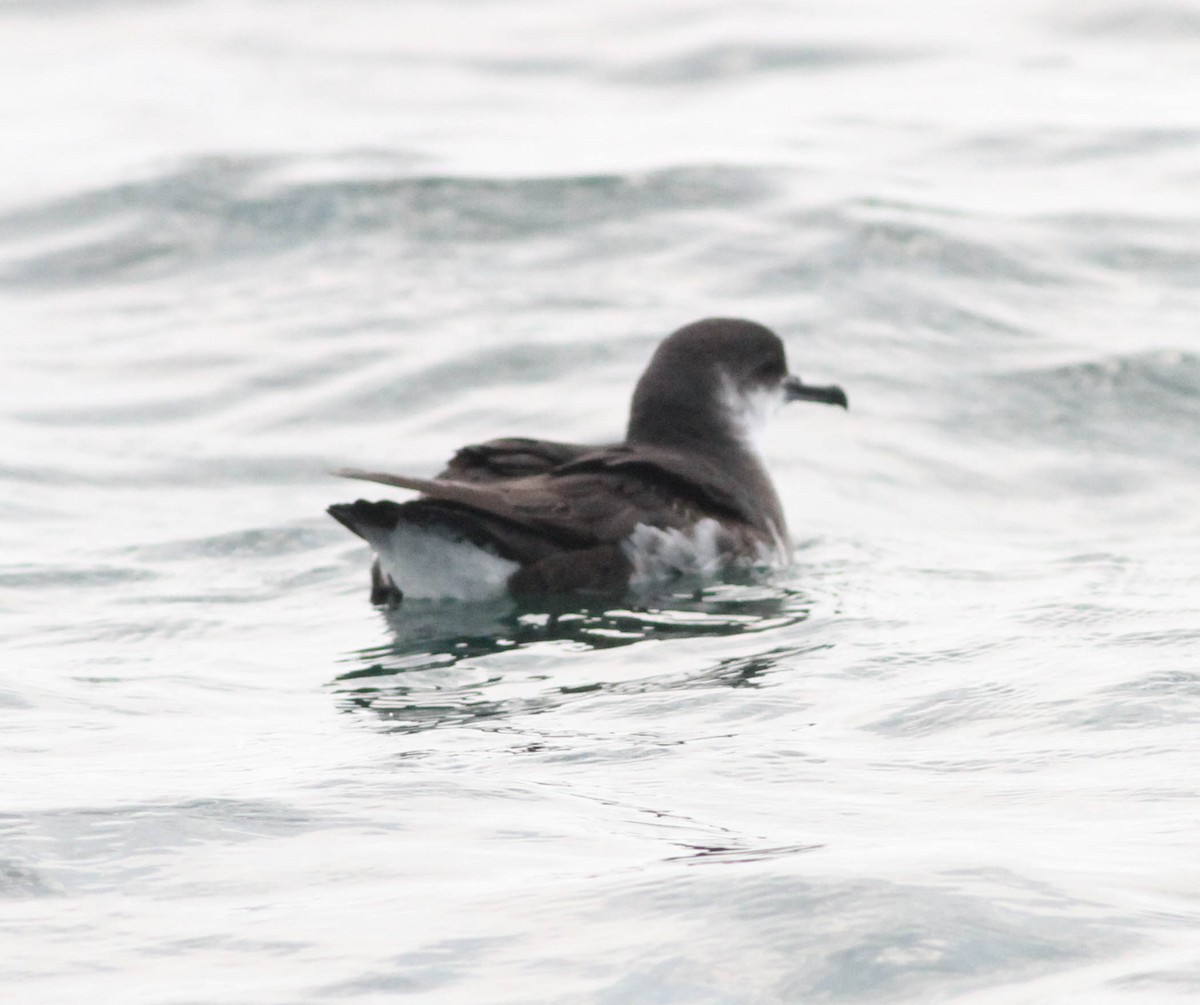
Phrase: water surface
pixel 949 755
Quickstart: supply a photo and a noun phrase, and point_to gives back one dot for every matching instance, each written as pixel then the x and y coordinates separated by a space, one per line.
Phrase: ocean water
pixel 950 754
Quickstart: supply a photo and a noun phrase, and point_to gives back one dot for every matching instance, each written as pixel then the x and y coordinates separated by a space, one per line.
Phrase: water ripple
pixel 217 211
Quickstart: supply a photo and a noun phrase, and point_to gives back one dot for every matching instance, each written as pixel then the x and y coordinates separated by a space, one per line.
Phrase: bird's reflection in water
pixel 450 662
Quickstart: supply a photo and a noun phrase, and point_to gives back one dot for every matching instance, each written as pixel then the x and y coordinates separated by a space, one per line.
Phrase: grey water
pixel 950 754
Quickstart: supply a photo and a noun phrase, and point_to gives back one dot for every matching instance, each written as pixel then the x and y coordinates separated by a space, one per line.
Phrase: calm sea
pixel 951 755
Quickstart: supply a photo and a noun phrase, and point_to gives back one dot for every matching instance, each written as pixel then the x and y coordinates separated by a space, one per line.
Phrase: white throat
pixel 749 412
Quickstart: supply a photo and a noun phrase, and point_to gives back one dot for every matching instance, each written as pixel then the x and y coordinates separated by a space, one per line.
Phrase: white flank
pixel 659 555
pixel 435 564
pixel 430 563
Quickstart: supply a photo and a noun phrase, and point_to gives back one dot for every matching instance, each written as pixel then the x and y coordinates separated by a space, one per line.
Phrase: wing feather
pixel 583 508
pixel 510 457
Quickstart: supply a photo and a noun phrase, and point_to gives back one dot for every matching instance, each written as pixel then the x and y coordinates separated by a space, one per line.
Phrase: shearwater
pixel 685 494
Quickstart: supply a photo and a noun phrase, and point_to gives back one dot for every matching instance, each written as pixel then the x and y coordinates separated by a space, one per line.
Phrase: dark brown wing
pixel 511 457
pixel 744 493
pixel 486 498
pixel 574 510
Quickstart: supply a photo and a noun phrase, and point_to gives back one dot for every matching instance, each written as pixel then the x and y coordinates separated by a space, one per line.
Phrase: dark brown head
pixel 716 380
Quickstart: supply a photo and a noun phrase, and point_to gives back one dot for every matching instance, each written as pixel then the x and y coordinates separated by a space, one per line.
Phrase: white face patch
pixel 750 411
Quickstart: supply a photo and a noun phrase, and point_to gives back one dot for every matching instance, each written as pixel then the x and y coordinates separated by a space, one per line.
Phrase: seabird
pixel 684 494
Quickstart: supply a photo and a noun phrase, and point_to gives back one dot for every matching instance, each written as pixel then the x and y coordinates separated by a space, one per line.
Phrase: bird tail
pixel 433 548
pixel 366 519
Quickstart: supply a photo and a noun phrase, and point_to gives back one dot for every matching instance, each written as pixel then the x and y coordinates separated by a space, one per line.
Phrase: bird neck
pixel 721 448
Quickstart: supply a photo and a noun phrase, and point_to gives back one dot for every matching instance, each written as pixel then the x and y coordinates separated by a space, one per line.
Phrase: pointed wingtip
pixel 349 472
pixel 382 478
